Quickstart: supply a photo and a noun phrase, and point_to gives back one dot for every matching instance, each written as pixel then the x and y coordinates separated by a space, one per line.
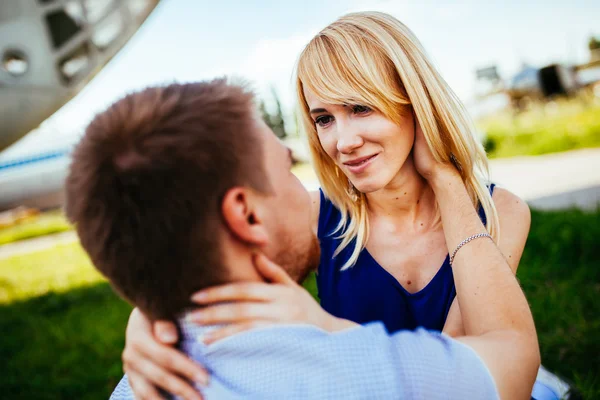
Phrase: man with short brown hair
pixel 147 183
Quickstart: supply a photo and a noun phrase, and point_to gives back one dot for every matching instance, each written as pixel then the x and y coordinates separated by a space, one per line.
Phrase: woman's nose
pixel 349 139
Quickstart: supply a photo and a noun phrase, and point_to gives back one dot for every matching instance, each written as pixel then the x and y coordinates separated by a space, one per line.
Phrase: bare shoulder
pixel 315 199
pixel 511 206
pixel 515 219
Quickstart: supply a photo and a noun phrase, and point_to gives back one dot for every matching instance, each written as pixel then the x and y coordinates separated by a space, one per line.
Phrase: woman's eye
pixel 323 120
pixel 361 109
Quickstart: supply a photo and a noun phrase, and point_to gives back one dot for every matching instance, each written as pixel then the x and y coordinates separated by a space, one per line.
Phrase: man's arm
pixel 496 315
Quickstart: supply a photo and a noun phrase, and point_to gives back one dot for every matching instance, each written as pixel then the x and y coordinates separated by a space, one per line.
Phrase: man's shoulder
pixel 281 339
pixel 302 361
pixel 299 333
pixel 123 390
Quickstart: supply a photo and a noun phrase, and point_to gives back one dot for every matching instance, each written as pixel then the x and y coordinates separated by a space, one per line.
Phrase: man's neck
pixel 237 258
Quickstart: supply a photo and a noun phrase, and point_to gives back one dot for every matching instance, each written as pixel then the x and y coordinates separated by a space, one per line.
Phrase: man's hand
pixel 150 363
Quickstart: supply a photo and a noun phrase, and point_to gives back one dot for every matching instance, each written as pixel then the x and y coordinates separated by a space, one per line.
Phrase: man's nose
pixel 349 139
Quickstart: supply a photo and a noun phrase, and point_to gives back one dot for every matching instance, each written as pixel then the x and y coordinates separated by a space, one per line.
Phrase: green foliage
pixel 63 328
pixel 555 127
pixel 274 120
pixel 594 43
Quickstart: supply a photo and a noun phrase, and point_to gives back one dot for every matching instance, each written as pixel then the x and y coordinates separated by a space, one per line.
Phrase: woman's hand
pixel 425 163
pixel 253 304
pixel 151 364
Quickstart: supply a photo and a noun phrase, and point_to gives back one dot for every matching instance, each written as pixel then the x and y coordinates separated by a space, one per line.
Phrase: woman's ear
pixel 239 210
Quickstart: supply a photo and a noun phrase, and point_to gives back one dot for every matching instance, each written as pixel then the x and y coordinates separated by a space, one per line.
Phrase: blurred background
pixel 529 73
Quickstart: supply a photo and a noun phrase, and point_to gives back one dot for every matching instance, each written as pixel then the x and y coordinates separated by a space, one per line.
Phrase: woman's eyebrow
pixel 317 110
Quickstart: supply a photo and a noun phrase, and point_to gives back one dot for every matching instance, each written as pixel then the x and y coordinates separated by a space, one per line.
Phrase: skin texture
pixel 402 184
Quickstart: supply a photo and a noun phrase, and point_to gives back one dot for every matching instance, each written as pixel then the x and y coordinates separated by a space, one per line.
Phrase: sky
pixel 260 40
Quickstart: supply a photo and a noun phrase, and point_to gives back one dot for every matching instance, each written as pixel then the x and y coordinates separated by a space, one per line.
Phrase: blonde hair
pixel 372 59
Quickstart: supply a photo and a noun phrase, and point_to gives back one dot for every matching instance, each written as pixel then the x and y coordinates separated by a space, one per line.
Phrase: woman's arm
pixel 496 315
pixel 151 363
pixel 515 218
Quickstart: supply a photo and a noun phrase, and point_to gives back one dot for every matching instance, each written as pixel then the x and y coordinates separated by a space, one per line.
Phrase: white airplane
pixel 50 50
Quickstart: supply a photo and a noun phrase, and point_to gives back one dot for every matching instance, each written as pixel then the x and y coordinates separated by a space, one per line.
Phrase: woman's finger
pixel 165 331
pixel 168 358
pixel 142 389
pixel 251 291
pixel 271 271
pixel 164 379
pixel 229 330
pixel 236 312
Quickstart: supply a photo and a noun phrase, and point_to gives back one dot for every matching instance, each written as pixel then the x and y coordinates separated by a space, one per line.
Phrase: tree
pixel 274 120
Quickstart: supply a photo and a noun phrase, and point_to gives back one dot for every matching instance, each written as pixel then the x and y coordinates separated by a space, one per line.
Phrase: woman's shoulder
pixel 509 205
pixel 514 219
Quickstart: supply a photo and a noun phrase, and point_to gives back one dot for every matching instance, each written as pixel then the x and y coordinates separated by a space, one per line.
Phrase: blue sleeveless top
pixel 366 292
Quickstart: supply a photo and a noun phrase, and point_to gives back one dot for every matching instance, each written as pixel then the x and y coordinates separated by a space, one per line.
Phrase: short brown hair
pixel 146 184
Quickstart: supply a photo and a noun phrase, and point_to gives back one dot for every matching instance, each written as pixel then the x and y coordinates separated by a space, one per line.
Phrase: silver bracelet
pixel 467 240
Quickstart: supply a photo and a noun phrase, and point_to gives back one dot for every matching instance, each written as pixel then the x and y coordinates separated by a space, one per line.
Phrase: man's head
pixel 171 185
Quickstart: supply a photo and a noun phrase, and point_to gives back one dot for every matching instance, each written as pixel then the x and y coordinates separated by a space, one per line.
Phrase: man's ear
pixel 239 210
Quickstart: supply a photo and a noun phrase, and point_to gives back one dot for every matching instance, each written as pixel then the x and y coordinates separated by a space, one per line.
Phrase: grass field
pixel 39 225
pixel 63 327
pixel 559 126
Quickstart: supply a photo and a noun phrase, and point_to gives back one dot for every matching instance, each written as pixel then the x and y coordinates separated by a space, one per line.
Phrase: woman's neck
pixel 407 199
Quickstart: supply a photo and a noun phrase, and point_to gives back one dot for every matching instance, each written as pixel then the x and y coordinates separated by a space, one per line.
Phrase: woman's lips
pixel 359 165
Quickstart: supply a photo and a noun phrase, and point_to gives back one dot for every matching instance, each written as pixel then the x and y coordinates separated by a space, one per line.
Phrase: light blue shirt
pixel 304 362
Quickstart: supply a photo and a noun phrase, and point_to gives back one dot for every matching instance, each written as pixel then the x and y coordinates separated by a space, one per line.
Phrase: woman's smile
pixel 359 165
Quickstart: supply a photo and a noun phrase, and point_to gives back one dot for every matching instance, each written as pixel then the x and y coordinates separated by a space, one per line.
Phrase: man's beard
pixel 297 260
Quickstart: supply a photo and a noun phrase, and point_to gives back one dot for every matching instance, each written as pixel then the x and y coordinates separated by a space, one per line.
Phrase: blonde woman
pixel 366 91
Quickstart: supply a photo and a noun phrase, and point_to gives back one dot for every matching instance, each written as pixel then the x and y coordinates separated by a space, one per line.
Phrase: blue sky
pixel 186 40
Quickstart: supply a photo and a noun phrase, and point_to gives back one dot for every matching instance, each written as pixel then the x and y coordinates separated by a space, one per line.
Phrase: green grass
pixel 63 328
pixel 560 274
pixel 559 126
pixel 44 224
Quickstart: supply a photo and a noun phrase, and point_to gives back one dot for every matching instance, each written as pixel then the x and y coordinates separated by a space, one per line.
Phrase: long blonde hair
pixel 372 59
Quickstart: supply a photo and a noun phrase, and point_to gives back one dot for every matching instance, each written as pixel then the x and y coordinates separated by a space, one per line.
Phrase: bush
pixel 559 126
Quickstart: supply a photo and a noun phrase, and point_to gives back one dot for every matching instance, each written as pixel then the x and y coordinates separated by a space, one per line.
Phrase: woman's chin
pixel 367 188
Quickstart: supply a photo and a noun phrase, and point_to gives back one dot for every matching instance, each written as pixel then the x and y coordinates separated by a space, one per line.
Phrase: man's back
pixel 304 362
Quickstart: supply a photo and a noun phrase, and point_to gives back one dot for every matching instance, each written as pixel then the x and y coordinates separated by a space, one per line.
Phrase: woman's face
pixel 368 147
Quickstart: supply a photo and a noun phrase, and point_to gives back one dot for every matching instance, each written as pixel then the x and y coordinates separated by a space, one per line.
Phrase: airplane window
pixel 138 7
pixel 63 26
pixel 108 30
pixel 15 63
pixel 73 64
pixel 96 9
